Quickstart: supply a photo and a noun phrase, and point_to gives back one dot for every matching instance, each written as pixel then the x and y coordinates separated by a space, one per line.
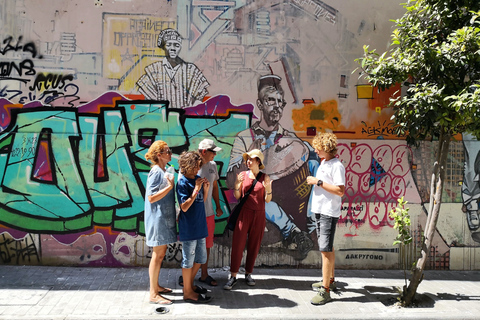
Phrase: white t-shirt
pixel 331 172
pixel 209 171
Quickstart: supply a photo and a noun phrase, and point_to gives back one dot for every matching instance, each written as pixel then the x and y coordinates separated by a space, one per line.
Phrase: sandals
pixel 202 298
pixel 200 290
pixel 209 280
pixel 161 300
pixel 165 290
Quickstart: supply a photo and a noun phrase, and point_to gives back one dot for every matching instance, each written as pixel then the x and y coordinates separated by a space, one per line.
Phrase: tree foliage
pixel 435 55
pixel 402 223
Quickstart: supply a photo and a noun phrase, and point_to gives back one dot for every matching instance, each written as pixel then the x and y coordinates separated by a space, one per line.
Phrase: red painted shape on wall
pixel 42 169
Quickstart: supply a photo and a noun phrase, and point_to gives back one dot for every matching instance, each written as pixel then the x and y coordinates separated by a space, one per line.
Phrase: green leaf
pixel 436 43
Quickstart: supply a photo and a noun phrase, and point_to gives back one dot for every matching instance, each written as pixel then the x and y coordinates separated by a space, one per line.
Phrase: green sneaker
pixel 322 297
pixel 317 285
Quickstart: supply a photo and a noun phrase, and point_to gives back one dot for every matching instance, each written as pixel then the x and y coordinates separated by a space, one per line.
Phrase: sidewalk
pixel 35 292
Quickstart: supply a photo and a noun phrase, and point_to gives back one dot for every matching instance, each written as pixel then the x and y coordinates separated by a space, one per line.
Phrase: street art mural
pixel 83 96
pixel 288 161
pixel 172 79
pixel 471 183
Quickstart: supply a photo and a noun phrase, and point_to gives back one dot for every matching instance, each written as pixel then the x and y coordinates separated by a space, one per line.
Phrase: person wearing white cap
pixel 208 150
pixel 173 79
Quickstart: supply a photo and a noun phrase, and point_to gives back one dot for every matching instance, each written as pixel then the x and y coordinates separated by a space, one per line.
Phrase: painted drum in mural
pixel 292 193
pixel 288 168
pixel 285 157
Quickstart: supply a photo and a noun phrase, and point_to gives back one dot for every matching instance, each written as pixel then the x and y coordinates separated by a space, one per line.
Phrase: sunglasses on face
pixel 167 151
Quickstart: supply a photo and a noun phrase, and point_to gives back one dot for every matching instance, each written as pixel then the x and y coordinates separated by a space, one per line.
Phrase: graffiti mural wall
pixel 87 86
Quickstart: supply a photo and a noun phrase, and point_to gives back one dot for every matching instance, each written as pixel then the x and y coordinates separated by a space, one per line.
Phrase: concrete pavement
pixel 43 292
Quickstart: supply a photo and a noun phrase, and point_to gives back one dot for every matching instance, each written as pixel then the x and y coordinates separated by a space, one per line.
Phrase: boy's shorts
pixel 326 226
pixel 211 230
pixel 193 251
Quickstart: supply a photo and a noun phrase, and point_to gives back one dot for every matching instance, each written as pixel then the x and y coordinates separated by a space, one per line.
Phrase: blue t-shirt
pixel 192 225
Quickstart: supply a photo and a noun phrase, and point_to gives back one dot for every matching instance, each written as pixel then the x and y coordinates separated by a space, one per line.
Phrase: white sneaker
pixel 249 279
pixel 230 283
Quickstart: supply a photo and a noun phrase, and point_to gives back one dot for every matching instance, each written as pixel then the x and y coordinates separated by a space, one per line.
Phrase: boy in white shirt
pixel 326 203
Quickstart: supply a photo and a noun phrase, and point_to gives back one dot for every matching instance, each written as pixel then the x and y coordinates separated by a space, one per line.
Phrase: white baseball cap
pixel 208 144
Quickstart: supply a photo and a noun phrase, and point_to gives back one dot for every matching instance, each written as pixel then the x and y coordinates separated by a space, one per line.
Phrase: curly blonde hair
pixel 188 161
pixel 157 147
pixel 326 142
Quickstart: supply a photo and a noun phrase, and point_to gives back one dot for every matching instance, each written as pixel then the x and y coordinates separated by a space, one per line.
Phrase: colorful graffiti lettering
pixel 65 170
pixel 375 179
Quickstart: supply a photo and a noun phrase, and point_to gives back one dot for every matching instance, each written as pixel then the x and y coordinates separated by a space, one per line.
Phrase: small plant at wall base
pixel 402 225
pixel 435 55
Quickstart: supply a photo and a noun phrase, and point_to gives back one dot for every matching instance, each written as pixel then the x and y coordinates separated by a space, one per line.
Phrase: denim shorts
pixel 326 226
pixel 194 251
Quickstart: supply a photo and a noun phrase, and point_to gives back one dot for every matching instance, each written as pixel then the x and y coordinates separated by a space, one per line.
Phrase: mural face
pixel 83 96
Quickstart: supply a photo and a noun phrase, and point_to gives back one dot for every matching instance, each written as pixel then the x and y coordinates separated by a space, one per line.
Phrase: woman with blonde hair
pixel 160 216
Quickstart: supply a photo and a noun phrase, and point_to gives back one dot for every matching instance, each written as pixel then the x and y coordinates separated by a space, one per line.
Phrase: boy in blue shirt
pixel 192 224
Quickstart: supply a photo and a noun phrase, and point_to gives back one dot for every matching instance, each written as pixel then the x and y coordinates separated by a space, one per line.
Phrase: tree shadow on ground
pixel 389 296
pixel 243 300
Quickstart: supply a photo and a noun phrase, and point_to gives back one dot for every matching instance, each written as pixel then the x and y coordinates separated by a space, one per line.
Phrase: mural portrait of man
pixel 173 79
pixel 288 161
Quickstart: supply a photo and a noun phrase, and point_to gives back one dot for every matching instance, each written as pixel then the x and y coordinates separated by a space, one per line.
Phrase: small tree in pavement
pixel 435 53
pixel 402 225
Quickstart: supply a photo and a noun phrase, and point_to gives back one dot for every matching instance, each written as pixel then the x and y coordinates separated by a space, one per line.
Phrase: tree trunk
pixel 432 217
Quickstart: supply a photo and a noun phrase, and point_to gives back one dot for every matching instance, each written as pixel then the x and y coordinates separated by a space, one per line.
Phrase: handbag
pixel 232 220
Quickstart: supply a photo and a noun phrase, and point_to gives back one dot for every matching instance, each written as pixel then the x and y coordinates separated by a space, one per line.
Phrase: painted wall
pixel 80 104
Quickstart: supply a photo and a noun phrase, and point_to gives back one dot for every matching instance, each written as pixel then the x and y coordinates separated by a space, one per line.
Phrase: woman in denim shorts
pixel 326 202
pixel 192 224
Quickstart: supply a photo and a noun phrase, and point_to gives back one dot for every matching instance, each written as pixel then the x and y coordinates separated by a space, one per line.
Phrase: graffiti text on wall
pixel 18 251
pixel 13 70
pixel 18 70
pixel 63 170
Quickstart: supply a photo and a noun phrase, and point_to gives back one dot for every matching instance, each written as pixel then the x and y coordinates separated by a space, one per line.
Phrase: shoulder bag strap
pixel 244 198
pixel 259 175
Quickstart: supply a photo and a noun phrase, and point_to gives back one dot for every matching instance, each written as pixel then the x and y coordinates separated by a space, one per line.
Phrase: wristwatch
pixel 319 182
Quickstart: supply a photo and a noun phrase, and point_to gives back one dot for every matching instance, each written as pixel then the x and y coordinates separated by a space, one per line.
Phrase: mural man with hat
pixel 288 161
pixel 173 79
